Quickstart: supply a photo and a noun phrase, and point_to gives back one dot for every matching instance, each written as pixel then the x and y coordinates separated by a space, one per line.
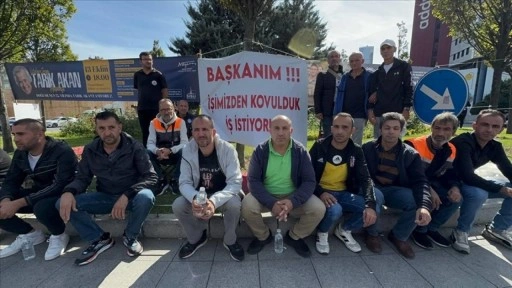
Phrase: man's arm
pixel 319 87
pixel 307 175
pixel 135 81
pixel 364 179
pixel 83 176
pixel 314 153
pixel 407 86
pixel 165 91
pixel 418 180
pixel 148 177
pixel 64 174
pixel 13 179
pixel 501 160
pixel 255 180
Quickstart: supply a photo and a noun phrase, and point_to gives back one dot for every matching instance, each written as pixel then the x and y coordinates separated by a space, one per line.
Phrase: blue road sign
pixel 440 90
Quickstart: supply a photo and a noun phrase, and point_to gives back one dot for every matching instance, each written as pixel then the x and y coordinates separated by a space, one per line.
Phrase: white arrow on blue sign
pixel 440 90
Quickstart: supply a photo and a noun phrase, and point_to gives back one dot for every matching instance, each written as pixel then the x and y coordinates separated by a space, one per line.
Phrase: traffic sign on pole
pixel 440 90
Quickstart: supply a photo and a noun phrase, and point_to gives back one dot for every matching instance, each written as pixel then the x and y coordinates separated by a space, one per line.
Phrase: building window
pixel 461 53
pixel 458 55
pixel 453 57
pixel 456 42
pixel 467 51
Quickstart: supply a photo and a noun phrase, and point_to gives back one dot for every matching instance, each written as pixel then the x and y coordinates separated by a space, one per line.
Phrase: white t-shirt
pixel 32 160
pixel 387 67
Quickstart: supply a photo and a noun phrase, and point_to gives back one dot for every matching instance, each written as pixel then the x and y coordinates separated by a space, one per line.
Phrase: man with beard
pixel 41 167
pixel 124 179
pixel 397 172
pixel 344 185
pixel 474 150
pixel 437 155
pixel 212 163
pixel 326 89
pixel 167 136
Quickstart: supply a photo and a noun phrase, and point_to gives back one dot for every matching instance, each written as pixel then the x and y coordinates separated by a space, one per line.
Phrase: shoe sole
pixel 302 254
pixel 342 239
pixel 103 249
pixel 456 248
pixel 321 253
pixel 232 257
pixel 194 251
pixel 437 243
pixel 420 245
pixel 134 254
pixel 491 237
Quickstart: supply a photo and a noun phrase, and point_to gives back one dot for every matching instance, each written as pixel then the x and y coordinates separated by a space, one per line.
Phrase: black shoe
pixel 96 248
pixel 438 239
pixel 422 240
pixel 189 249
pixel 133 246
pixel 236 251
pixel 299 245
pixel 175 187
pixel 257 245
pixel 161 187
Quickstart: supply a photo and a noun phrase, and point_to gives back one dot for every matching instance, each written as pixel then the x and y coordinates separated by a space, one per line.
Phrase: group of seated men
pixel 428 179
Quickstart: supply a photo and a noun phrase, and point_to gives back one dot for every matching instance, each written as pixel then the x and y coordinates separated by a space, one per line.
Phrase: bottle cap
pixel 278 230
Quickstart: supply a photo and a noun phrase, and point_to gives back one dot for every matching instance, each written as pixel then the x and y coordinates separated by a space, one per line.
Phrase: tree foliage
pixel 403 44
pixel 214 27
pixel 157 51
pixel 32 30
pixel 487 27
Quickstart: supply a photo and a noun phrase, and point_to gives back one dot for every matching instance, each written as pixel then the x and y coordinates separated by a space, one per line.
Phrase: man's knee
pixel 250 206
pixel 473 194
pixel 334 212
pixel 233 205
pixel 181 206
pixel 315 207
pixel 144 198
pixel 45 207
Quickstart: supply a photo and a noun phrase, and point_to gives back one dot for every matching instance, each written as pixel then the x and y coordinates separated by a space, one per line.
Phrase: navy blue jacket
pixel 338 106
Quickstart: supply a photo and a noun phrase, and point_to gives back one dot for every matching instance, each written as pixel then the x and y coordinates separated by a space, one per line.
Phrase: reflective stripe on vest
pixel 166 138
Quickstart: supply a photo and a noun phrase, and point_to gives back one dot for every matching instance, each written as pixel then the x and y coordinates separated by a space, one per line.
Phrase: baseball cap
pixel 388 42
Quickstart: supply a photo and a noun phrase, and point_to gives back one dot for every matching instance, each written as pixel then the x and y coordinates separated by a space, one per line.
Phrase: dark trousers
pixel 145 117
pixel 175 160
pixel 46 214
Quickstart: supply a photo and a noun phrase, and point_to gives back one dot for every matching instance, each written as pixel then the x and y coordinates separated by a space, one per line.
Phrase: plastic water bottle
pixel 27 249
pixel 201 199
pixel 278 242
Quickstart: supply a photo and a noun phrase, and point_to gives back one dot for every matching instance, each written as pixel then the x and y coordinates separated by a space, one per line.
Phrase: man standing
pixel 151 87
pixel 124 177
pixel 185 115
pixel 282 180
pixel 344 184
pixel 391 89
pixel 397 171
pixel 40 169
pixel 474 150
pixel 212 163
pixel 167 136
pixel 325 90
pixel 352 95
pixel 437 155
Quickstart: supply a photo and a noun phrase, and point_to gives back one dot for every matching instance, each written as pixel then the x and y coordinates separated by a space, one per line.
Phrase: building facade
pixel 367 52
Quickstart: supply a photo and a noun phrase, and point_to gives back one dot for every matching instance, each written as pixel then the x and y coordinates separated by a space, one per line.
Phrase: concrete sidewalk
pixel 488 265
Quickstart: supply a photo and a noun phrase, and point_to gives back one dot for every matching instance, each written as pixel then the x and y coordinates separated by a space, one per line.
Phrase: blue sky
pixel 122 29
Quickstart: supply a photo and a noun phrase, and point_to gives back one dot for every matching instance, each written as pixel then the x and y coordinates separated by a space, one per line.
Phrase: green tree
pixel 32 30
pixel 157 50
pixel 403 44
pixel 487 27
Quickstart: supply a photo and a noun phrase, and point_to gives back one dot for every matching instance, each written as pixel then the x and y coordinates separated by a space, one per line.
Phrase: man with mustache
pixel 124 179
pixel 167 136
pixel 397 172
pixel 212 163
pixel 282 180
pixel 474 150
pixel 437 155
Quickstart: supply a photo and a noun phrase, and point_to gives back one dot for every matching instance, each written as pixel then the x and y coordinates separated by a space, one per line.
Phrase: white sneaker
pixel 322 244
pixel 460 241
pixel 36 237
pixel 347 239
pixel 57 246
pixel 503 237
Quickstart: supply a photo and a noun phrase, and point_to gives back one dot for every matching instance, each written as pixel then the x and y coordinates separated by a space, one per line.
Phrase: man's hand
pixel 8 208
pixel 328 199
pixel 406 113
pixel 506 191
pixel 436 201
pixel 371 117
pixel 208 211
pixel 373 98
pixel 319 116
pixel 163 153
pixel 119 209
pixel 67 203
pixel 422 217
pixel 369 217
pixel 454 195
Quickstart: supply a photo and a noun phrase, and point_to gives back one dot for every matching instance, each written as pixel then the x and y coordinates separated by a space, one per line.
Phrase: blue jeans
pixel 102 203
pixel 401 198
pixel 353 203
pixel 472 200
pixel 440 216
pixel 326 125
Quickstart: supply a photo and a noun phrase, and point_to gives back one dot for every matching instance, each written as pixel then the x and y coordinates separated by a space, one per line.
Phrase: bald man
pixel 282 180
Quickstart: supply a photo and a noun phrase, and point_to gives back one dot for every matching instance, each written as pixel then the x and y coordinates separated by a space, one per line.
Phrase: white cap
pixel 388 42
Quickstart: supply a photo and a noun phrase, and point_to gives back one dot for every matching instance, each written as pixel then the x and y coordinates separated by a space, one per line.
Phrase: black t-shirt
pixel 149 88
pixel 211 176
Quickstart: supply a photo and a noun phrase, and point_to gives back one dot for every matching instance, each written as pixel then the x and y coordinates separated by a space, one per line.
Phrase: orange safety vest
pixel 420 144
pixel 166 138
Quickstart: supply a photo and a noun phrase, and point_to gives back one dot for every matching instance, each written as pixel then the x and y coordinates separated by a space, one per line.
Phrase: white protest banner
pixel 244 91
